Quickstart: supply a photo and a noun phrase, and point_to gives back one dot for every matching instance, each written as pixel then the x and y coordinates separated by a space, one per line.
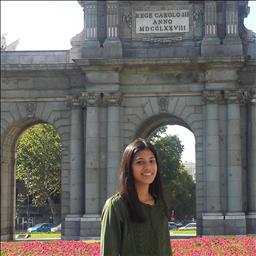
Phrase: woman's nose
pixel 147 164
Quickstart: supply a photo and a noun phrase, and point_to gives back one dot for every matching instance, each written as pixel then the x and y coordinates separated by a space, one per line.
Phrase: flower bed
pixel 213 246
pixel 49 248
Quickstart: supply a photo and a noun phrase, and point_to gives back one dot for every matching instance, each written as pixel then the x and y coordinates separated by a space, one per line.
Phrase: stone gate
pixel 138 65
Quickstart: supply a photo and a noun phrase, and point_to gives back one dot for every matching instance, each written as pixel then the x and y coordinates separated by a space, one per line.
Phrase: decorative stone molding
pixel 232 18
pixel 90 10
pixel 30 109
pixel 197 14
pixel 212 96
pixel 163 40
pixel 234 97
pixel 127 19
pixel 92 99
pixel 253 96
pixel 113 99
pixel 251 36
pixel 74 101
pixel 245 97
pixel 163 103
pixel 112 19
pixel 210 19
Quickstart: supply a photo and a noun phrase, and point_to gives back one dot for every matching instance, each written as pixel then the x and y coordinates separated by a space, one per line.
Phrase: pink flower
pixel 206 246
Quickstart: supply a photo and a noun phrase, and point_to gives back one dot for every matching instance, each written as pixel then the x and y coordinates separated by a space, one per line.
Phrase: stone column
pixel 210 19
pixel 210 40
pixel 235 217
pixel 90 15
pixel 232 41
pixel 112 45
pixel 112 20
pixel 113 142
pixel 212 218
pixel 76 159
pixel 251 217
pixel 231 18
pixel 76 202
pixel 91 219
pixel 91 47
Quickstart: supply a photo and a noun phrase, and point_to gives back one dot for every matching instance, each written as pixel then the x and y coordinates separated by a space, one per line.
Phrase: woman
pixel 134 221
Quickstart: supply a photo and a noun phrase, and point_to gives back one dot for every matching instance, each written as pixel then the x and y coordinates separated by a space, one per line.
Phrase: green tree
pixel 179 186
pixel 181 195
pixel 38 165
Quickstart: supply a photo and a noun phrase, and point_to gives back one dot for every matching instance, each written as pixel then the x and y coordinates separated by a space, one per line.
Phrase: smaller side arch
pixel 9 140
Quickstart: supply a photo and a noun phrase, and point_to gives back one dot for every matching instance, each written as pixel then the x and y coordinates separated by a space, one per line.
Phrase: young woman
pixel 134 221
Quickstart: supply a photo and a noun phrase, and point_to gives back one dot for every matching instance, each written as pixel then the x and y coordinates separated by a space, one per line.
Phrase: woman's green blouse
pixel 121 236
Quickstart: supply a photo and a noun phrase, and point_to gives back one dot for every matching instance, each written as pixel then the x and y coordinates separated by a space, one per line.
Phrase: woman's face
pixel 144 167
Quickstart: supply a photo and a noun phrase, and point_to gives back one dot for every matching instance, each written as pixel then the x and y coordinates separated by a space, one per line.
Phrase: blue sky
pixel 49 25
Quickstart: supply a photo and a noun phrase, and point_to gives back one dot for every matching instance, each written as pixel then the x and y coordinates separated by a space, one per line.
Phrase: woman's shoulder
pixel 115 201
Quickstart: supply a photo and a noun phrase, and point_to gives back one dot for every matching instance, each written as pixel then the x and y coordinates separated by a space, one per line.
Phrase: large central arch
pixel 180 112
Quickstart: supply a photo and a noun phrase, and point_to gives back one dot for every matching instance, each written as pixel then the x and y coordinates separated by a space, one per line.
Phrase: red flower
pixel 206 246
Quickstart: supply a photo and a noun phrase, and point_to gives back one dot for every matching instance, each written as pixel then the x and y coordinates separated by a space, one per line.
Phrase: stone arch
pixel 14 123
pixel 145 115
pixel 154 122
pixel 185 110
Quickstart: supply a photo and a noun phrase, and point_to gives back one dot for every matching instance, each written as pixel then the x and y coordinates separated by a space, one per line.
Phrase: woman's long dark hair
pixel 127 186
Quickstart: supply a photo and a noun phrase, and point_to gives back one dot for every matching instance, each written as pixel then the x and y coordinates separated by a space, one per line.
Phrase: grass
pixel 43 235
pixel 183 232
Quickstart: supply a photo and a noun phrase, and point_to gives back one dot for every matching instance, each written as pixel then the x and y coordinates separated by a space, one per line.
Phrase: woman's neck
pixel 143 194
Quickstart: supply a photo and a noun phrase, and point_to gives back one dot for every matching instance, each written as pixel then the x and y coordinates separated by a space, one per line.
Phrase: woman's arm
pixel 110 242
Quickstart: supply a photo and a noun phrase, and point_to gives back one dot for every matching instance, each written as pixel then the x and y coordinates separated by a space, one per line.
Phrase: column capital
pixel 212 96
pixel 253 97
pixel 92 99
pixel 113 99
pixel 74 101
pixel 234 96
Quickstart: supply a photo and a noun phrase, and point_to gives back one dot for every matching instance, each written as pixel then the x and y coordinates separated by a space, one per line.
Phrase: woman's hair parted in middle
pixel 127 187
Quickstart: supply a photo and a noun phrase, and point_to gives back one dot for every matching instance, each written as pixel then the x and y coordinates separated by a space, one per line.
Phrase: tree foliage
pixel 179 186
pixel 38 164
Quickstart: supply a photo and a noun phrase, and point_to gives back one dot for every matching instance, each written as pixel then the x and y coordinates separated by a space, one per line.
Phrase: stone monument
pixel 138 65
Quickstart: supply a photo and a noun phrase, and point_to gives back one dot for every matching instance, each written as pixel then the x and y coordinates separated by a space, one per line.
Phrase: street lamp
pixel 28 204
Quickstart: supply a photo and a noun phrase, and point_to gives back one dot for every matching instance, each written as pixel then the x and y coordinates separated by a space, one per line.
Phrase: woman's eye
pixel 141 162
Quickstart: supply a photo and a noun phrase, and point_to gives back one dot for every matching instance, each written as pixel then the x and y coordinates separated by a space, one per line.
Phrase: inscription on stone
pixel 162 21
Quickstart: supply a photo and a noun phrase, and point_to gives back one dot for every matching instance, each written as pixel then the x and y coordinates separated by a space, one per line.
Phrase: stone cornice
pixel 38 67
pixel 118 64
pixel 92 63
